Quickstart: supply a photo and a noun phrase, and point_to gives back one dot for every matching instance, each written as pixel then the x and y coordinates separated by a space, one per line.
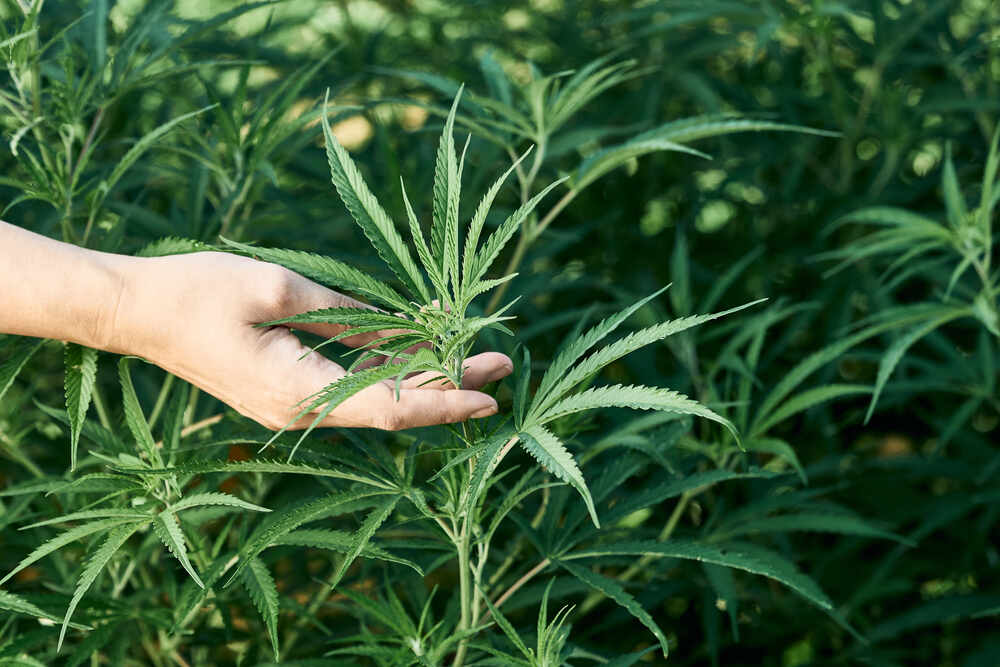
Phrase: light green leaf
pixel 364 535
pixel 552 455
pixel 169 531
pixel 370 215
pixel 134 417
pixel 328 271
pixel 81 376
pixel 341 542
pixel 807 399
pixel 609 159
pixel 635 397
pixel 213 498
pixel 18 605
pixel 263 466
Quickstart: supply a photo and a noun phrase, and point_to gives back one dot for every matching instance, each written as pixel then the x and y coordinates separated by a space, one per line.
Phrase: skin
pixel 194 315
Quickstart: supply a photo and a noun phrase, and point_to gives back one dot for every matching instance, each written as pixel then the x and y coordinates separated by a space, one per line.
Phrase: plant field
pixel 741 255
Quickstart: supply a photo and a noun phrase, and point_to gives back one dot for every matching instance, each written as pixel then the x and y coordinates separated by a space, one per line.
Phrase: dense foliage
pixel 829 492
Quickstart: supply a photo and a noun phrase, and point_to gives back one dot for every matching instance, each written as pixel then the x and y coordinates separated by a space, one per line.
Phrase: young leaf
pixel 447 187
pixel 370 215
pixel 213 498
pixel 552 455
pixel 614 590
pixel 169 531
pixel 635 397
pixel 134 417
pixel 114 541
pixel 264 593
pixel 81 376
pixel 328 271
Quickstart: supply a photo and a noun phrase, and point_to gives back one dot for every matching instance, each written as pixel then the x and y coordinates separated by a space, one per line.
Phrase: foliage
pixel 816 478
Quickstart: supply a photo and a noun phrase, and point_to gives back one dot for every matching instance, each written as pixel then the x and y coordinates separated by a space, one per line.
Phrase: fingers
pixel 378 407
pixel 479 371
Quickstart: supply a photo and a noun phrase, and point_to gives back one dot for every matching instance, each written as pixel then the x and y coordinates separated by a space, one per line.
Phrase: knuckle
pixel 277 286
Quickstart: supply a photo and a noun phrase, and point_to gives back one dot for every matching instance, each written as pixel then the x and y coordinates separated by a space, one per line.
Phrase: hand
pixel 194 316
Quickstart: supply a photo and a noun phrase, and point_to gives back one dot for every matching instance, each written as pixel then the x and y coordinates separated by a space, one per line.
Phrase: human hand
pixel 194 315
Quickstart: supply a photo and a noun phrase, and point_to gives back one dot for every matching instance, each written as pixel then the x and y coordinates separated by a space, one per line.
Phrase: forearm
pixel 55 290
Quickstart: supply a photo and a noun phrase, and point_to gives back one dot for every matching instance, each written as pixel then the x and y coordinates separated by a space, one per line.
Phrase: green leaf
pixel 478 220
pixel 89 514
pixel 81 376
pixel 364 535
pixel 635 397
pixel 819 522
pixel 64 538
pixel 18 605
pixel 578 345
pixel 264 593
pixel 619 349
pixel 286 520
pixel 351 317
pixel 807 399
pixel 609 159
pixel 262 466
pixel 757 561
pixel 614 590
pixel 213 498
pixel 507 628
pixel 169 531
pixel 172 245
pixel 431 265
pixel 114 541
pixel 446 192
pixel 496 242
pixel 134 417
pixel 552 455
pixel 702 127
pixel 958 214
pixel 369 214
pixel 18 351
pixel 779 448
pixel 894 354
pixel 341 542
pixel 328 271
pixel 143 145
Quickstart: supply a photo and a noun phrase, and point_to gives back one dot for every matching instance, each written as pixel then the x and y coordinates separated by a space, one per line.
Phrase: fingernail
pixel 484 412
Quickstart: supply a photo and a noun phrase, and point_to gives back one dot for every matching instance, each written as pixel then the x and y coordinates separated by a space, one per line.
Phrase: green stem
pixel 161 400
pixel 102 412
pixel 464 591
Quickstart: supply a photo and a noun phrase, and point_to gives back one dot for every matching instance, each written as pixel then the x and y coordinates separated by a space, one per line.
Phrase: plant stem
pixel 464 591
pixel 161 400
pixel 525 578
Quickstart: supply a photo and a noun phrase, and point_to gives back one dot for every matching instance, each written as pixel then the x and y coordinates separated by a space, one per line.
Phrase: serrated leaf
pixel 758 561
pixel 341 542
pixel 609 159
pixel 18 605
pixel 546 448
pixel 20 350
pixel 445 196
pixel 370 215
pixel 507 628
pixel 288 519
pixel 808 399
pixel 498 240
pixel 64 538
pixel 617 350
pixel 894 354
pixel 134 417
pixel 264 593
pixel 213 498
pixel 172 245
pixel 81 376
pixel 635 397
pixel 364 535
pixel 169 531
pixel 614 590
pixel 114 541
pixel 328 271
pixel 262 466
pixel 90 514
pixel 352 317
pixel 820 522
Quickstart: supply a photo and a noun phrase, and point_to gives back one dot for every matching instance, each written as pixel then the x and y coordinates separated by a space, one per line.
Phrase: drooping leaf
pixel 15 604
pixel 264 593
pixel 169 531
pixel 616 592
pixel 18 351
pixel 546 448
pixel 364 535
pixel 80 378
